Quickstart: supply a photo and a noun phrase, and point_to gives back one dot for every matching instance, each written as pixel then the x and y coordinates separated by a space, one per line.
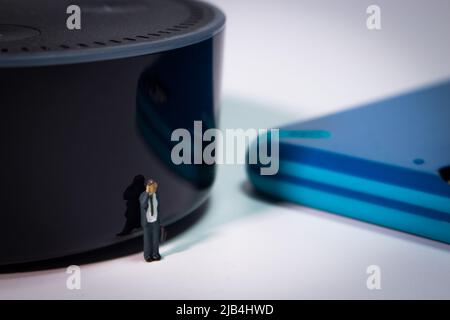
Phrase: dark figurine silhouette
pixel 150 221
pixel 133 212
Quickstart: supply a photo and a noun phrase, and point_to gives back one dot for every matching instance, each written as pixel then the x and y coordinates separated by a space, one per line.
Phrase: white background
pixel 287 61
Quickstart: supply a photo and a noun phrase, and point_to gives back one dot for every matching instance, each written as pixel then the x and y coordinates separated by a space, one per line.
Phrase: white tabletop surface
pixel 287 61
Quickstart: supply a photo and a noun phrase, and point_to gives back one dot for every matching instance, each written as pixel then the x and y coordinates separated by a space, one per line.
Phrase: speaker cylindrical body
pixel 75 134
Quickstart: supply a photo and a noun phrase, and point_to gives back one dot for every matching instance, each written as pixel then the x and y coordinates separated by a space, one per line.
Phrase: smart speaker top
pixel 35 32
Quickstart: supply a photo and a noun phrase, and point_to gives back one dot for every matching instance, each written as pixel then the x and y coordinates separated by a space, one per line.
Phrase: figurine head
pixel 151 186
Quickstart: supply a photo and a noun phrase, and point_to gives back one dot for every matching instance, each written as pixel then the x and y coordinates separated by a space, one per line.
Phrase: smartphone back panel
pixel 381 163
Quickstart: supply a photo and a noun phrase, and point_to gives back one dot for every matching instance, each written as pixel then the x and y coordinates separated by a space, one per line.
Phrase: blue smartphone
pixel 386 163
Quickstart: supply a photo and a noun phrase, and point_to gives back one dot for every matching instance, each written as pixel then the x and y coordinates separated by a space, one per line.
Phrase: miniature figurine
pixel 133 212
pixel 150 221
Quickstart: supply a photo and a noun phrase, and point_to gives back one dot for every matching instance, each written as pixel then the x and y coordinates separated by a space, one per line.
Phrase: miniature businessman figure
pixel 150 221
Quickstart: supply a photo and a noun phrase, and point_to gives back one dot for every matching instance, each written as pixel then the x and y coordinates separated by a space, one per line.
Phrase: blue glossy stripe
pixel 384 202
pixel 380 189
pixel 364 168
pixel 330 200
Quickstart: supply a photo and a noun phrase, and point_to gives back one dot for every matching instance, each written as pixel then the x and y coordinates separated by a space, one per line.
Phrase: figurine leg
pixel 155 240
pixel 148 243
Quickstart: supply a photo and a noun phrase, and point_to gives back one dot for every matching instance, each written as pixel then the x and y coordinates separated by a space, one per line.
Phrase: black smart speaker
pixel 87 116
